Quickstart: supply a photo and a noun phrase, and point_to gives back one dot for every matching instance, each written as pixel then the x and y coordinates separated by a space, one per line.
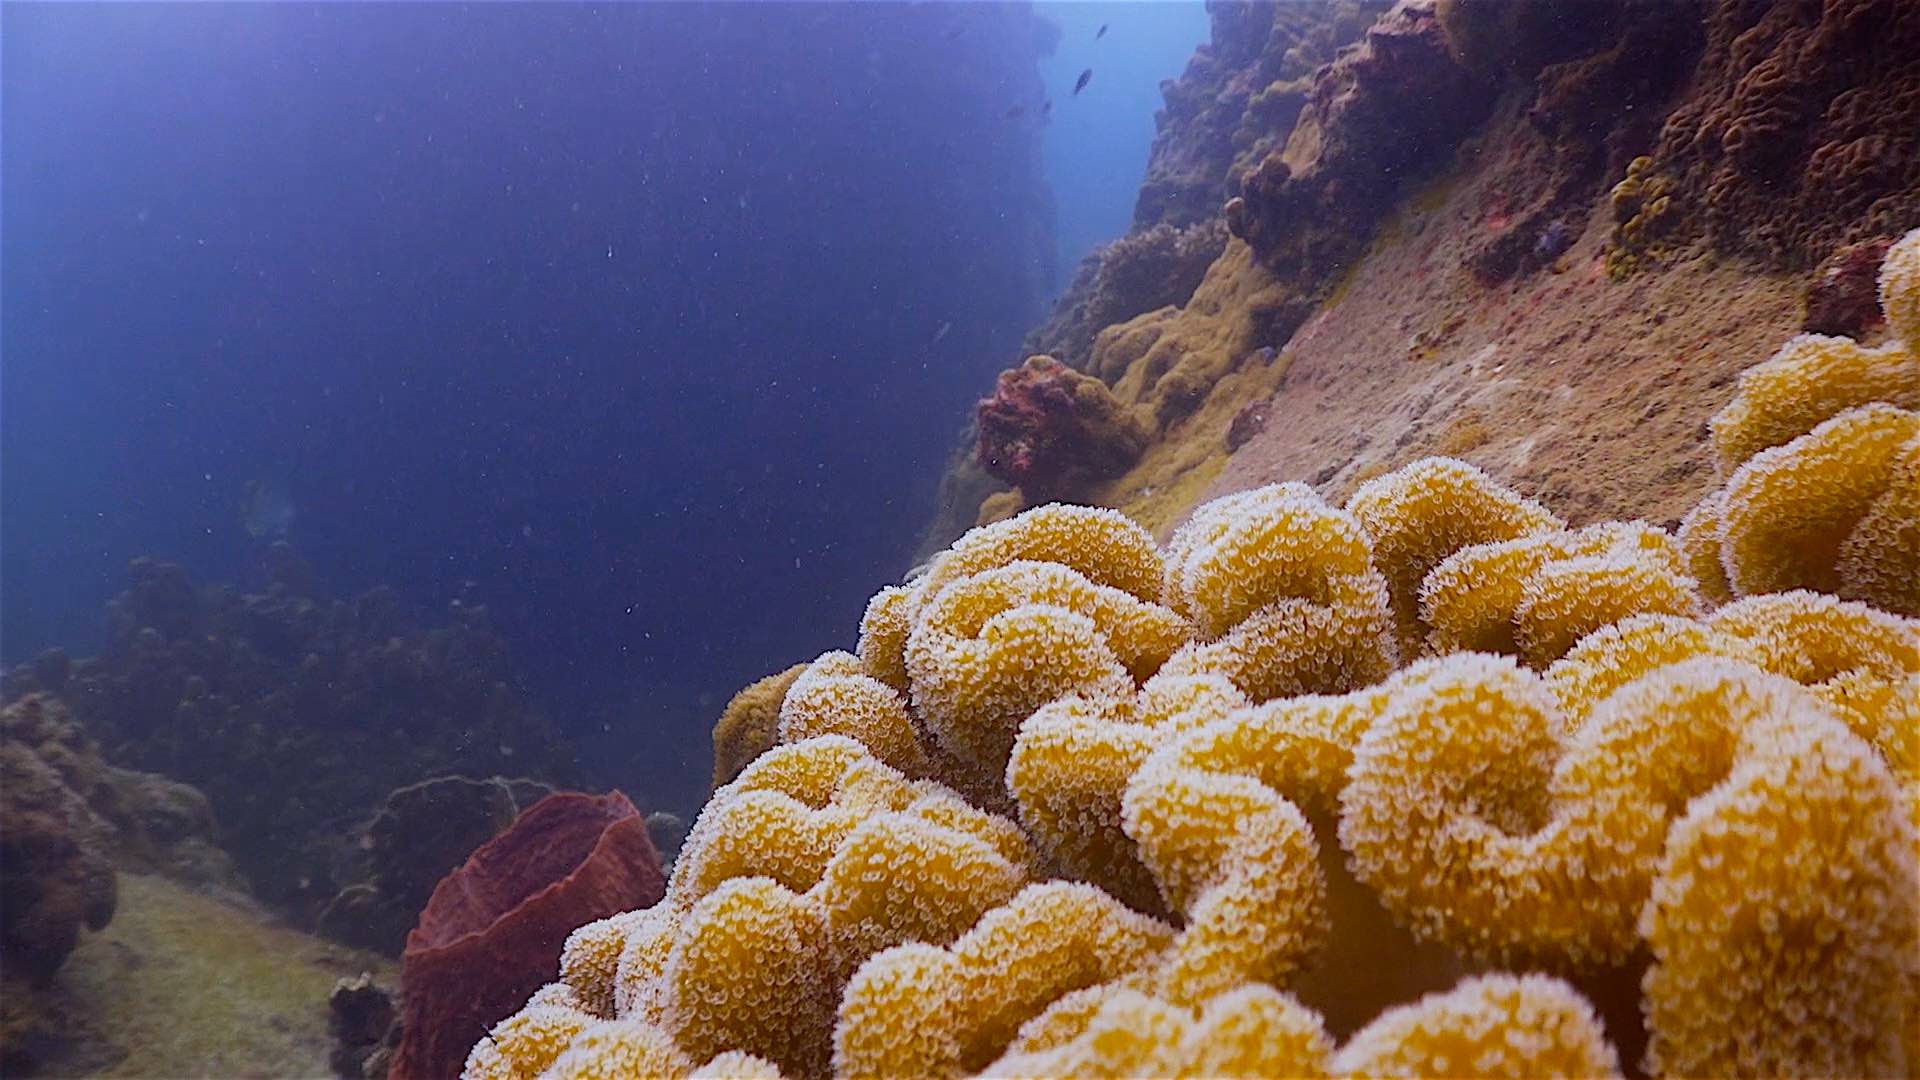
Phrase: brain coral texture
pixel 1587 800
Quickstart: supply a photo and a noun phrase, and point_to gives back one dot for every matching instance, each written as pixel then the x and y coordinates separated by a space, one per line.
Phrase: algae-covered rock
pixel 1052 431
pixel 422 833
pixel 67 819
pixel 296 715
pixel 185 984
pixel 361 1016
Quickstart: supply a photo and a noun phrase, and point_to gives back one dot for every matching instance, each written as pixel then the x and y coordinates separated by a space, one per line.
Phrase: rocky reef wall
pixel 1445 224
pixel 69 824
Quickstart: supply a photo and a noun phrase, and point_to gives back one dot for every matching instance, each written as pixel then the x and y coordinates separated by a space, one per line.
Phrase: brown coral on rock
pixel 1053 432
pixel 53 887
pixel 1143 271
pixel 65 816
pixel 1379 115
pixel 1237 99
pixel 1843 298
pixel 1803 132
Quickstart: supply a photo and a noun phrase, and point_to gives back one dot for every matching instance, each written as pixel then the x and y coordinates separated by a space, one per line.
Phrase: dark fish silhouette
pixel 1102 33
pixel 952 33
pixel 1016 112
pixel 1046 110
pixel 1080 83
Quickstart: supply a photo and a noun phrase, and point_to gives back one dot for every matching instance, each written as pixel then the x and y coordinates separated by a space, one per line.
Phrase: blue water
pixel 1095 149
pixel 649 326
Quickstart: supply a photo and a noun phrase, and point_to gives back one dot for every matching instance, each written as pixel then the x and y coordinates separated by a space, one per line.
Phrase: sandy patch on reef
pixel 1589 393
pixel 181 984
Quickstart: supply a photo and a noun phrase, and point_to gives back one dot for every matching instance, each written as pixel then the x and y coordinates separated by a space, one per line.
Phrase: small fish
pixel 1016 112
pixel 940 334
pixel 1102 33
pixel 1046 110
pixel 1080 83
pixel 952 33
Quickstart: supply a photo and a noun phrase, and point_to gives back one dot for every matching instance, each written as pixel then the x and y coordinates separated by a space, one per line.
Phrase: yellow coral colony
pixel 1421 514
pixel 1080 805
pixel 1821 451
pixel 1900 288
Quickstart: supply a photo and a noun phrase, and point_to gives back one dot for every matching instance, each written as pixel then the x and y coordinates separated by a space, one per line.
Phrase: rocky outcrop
pixel 1237 100
pixel 1801 128
pixel 1843 298
pixel 1383 114
pixel 67 819
pixel 1151 268
pixel 1053 432
pixel 423 832
pixel 1593 79
pixel 296 715
pixel 363 1021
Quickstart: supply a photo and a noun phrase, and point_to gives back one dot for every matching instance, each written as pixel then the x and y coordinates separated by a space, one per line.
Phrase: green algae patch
pixel 182 984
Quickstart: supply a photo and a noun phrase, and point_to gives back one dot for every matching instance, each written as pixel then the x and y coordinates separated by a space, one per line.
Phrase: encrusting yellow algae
pixel 1081 805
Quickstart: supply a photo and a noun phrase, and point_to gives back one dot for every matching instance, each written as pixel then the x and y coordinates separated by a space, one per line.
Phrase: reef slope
pixel 1556 276
pixel 1589 391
